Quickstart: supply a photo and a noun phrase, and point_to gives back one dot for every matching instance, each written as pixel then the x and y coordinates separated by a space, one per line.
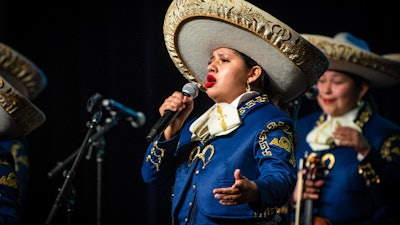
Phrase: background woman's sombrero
pixel 350 54
pixel 392 56
pixel 21 72
pixel 18 115
pixel 20 81
pixel 193 28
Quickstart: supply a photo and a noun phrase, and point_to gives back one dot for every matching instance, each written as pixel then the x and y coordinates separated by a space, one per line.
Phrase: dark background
pixel 116 48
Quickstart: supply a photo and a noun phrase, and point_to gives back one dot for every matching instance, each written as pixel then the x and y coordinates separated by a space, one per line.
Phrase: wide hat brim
pixel 194 28
pixel 346 57
pixel 20 72
pixel 18 115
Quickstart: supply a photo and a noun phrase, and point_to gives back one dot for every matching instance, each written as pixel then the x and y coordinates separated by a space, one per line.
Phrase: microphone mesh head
pixel 94 103
pixel 190 89
pixel 141 119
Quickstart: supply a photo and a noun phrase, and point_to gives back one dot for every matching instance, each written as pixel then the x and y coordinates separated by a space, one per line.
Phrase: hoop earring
pixel 248 88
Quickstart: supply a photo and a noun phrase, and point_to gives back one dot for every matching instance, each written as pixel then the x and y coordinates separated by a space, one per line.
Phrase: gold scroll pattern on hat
pixel 342 52
pixel 13 65
pixel 27 115
pixel 249 17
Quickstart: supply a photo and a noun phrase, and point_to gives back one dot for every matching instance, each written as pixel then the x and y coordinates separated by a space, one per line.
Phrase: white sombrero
pixel 20 81
pixel 350 54
pixel 194 28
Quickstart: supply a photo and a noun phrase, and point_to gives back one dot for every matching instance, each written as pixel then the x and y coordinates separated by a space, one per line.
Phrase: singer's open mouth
pixel 210 81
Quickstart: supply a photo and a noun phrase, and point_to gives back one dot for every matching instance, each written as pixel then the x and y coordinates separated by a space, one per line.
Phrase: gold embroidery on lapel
pixel 196 153
pixel 327 161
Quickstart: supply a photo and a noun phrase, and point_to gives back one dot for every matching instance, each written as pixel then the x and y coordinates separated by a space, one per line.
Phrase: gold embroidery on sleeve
pixel 158 154
pixel 11 180
pixel 282 142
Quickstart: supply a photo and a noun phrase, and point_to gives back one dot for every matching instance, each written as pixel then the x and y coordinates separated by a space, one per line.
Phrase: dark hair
pixel 358 81
pixel 263 84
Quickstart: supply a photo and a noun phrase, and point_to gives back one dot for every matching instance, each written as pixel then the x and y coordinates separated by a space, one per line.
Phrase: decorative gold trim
pixel 11 180
pixel 157 152
pixel 301 54
pixel 20 109
pixel 337 51
pixel 14 65
pixel 369 174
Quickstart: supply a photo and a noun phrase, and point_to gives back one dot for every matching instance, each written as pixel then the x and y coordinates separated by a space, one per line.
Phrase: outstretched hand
pixel 242 191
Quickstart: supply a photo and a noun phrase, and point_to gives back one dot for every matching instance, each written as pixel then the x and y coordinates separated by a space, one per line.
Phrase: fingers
pixel 174 103
pixel 227 196
pixel 238 175
pixel 346 136
pixel 243 190
pixel 312 189
pixel 177 102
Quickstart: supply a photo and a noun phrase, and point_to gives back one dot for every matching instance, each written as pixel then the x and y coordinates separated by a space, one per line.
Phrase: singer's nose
pixel 211 68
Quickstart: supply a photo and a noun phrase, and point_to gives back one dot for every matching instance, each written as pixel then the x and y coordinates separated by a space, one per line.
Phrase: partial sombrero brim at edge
pixel 18 115
pixel 194 28
pixel 379 71
pixel 20 72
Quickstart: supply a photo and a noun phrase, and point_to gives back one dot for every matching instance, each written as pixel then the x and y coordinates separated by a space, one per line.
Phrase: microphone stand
pixel 89 140
pixel 61 165
pixel 110 122
pixel 99 160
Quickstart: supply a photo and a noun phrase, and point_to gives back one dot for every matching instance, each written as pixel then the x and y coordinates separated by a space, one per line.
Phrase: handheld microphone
pixel 190 90
pixel 137 119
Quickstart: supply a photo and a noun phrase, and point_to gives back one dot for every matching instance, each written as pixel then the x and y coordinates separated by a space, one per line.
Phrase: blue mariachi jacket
pixel 262 148
pixel 357 192
pixel 13 171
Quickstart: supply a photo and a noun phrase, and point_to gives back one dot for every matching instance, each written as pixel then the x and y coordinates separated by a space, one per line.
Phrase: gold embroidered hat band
pixel 18 115
pixel 350 54
pixel 20 81
pixel 21 72
pixel 194 28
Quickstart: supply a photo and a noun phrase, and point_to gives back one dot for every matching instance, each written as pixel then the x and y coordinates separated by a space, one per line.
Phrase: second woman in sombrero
pixel 359 149
pixel 235 163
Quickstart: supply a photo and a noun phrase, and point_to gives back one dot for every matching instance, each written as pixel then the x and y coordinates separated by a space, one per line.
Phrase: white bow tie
pixel 320 138
pixel 220 119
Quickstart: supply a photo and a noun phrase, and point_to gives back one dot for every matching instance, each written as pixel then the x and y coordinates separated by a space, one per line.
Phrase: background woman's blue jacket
pixel 357 192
